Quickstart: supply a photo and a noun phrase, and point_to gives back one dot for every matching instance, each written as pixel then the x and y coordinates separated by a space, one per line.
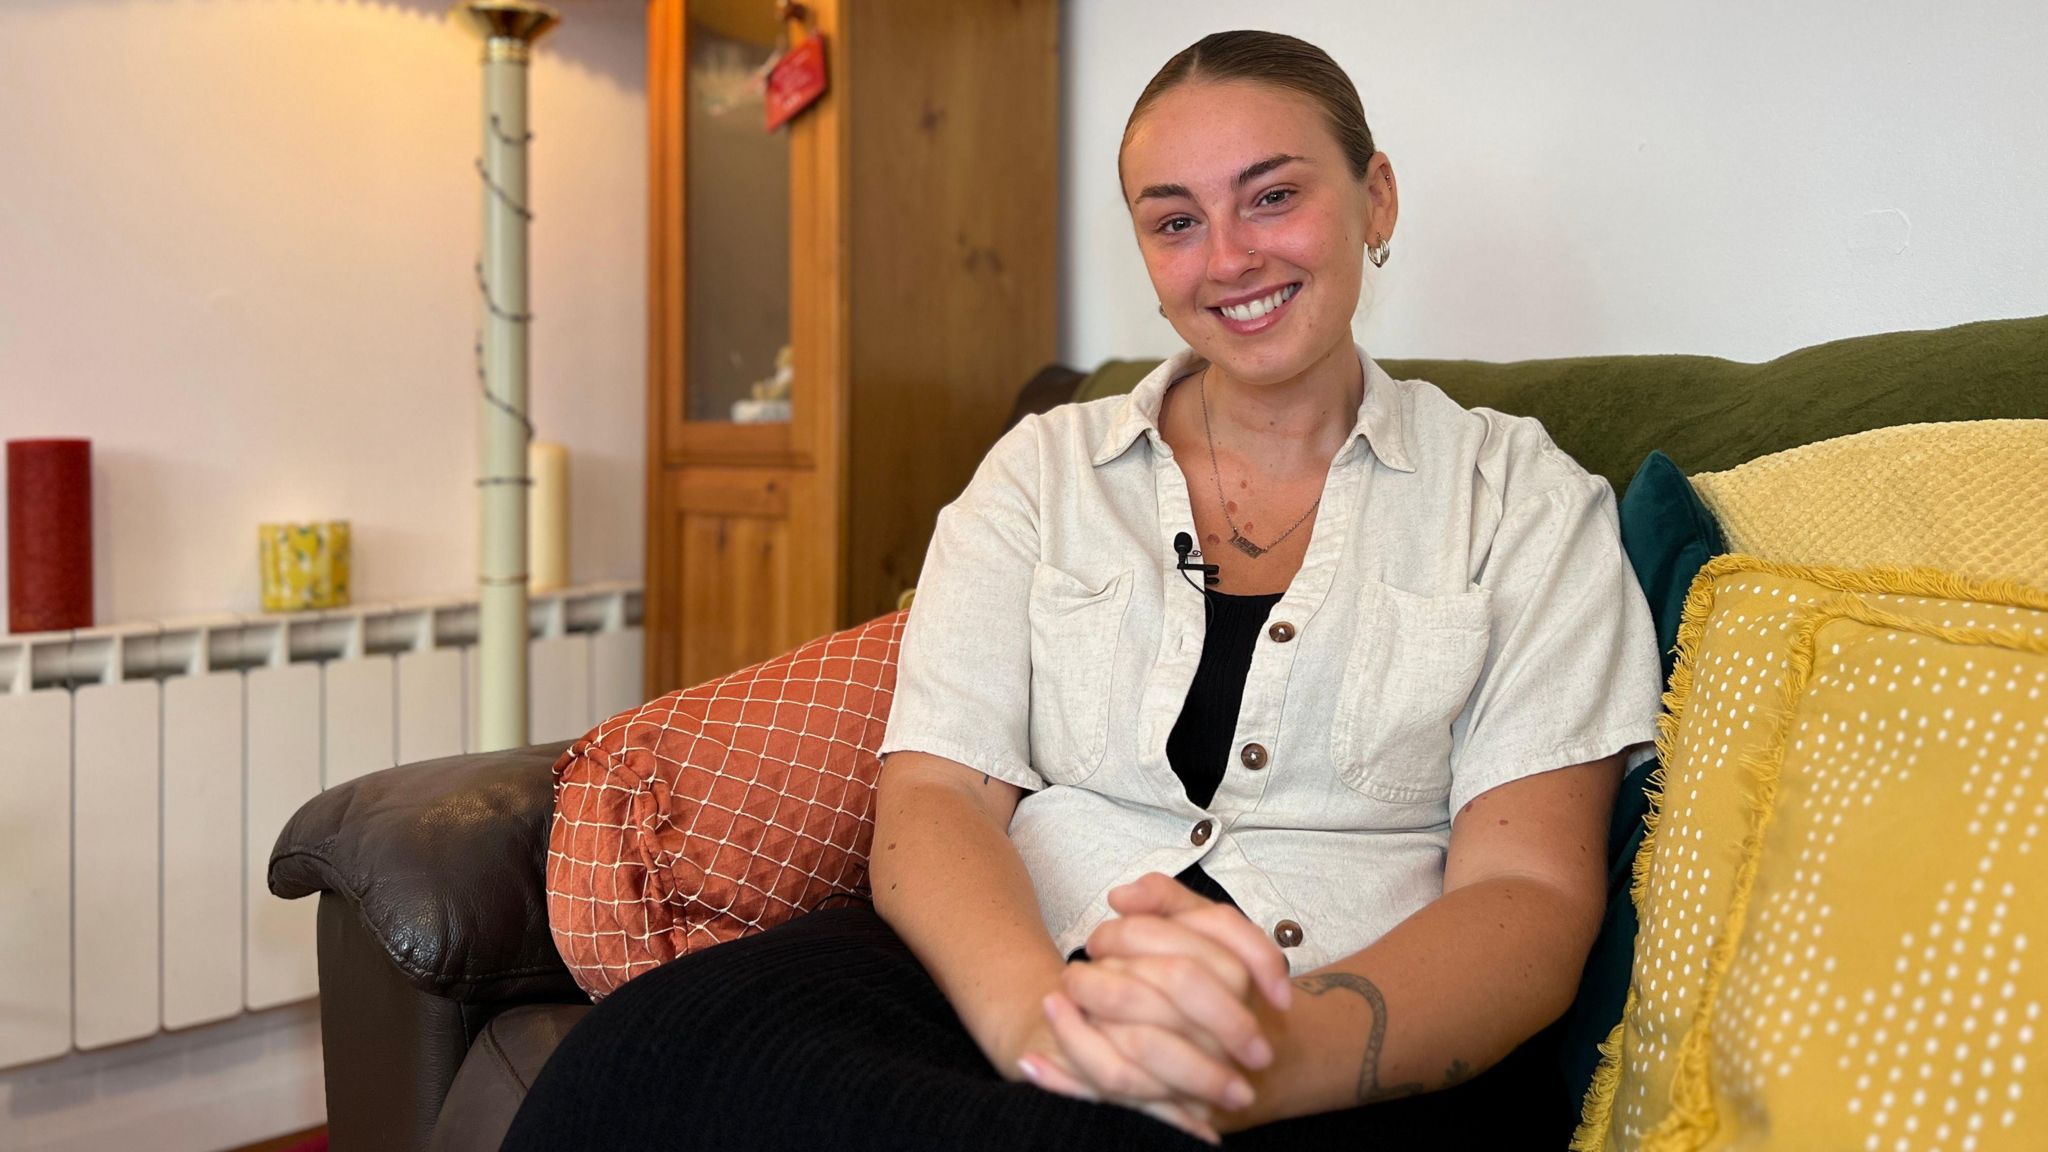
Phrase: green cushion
pixel 1611 411
pixel 1112 378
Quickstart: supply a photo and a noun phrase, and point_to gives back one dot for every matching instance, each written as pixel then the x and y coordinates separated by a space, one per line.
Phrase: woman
pixel 1376 756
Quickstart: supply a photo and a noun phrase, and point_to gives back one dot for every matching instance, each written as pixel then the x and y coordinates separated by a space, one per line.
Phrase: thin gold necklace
pixel 1237 539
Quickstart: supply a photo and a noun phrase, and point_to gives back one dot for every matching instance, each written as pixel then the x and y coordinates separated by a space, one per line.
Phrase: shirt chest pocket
pixel 1412 666
pixel 1075 629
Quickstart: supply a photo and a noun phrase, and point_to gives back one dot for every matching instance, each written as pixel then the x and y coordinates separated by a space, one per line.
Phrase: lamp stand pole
pixel 510 28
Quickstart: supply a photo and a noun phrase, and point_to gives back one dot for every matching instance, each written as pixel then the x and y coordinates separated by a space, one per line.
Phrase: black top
pixel 1199 747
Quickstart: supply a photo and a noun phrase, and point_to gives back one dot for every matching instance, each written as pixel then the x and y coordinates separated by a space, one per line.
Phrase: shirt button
pixel 1281 632
pixel 1202 831
pixel 1287 933
pixel 1253 756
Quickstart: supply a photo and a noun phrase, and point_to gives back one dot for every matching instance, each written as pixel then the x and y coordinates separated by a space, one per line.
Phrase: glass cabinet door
pixel 736 298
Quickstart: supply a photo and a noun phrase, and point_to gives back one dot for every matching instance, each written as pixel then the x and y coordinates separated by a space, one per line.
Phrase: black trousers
pixel 826 1033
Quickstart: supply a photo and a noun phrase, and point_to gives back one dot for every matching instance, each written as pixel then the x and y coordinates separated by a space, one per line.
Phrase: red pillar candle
pixel 49 535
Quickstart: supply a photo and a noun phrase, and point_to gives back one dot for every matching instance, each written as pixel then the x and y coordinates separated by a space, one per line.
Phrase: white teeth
pixel 1243 313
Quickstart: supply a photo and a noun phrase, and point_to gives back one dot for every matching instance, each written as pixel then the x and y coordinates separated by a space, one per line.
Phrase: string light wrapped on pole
pixel 510 28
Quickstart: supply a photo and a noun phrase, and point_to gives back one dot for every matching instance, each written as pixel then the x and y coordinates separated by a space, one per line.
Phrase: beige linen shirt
pixel 1464 617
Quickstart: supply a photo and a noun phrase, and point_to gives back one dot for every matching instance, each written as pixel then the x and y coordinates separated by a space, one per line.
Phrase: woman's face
pixel 1252 227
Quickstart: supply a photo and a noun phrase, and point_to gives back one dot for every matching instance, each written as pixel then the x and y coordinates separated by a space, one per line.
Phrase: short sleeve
pixel 1571 671
pixel 963 676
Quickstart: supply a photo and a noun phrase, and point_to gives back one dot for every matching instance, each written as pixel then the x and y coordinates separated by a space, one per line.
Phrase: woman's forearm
pixel 1445 995
pixel 946 877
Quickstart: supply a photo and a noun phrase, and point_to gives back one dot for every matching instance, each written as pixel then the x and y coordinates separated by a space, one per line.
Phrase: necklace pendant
pixel 1245 546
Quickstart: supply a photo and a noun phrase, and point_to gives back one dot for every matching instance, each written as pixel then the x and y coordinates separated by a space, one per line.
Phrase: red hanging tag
pixel 797 79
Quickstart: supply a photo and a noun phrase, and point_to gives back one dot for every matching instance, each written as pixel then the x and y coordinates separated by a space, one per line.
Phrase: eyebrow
pixel 1168 191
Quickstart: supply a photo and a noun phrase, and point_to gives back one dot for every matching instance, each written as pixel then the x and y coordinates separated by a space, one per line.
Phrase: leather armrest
pixel 444 861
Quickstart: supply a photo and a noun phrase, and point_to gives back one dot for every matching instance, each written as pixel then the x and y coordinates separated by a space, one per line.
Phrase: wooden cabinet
pixel 899 238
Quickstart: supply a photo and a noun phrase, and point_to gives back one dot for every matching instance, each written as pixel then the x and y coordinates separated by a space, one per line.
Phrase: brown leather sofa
pixel 441 993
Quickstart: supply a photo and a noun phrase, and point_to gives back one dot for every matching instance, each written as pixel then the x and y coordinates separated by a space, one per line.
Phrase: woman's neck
pixel 1302 419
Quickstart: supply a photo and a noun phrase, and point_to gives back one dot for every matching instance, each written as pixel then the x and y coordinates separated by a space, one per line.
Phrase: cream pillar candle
pixel 547 514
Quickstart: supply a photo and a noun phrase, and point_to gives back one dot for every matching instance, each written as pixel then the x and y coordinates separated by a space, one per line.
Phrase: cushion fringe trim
pixel 1597 1112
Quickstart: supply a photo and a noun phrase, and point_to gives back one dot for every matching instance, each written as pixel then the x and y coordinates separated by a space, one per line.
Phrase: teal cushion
pixel 1669 535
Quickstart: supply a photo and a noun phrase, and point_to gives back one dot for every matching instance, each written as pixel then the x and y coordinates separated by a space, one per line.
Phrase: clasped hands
pixel 1159 1017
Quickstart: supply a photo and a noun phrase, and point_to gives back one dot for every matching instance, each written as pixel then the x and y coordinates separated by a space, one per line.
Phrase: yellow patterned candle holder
pixel 303 565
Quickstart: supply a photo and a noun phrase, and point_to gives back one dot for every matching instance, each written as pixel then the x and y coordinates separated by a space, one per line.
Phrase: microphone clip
pixel 1184 550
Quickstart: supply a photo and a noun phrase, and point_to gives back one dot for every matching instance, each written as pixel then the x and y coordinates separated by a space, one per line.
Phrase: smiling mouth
pixel 1258 309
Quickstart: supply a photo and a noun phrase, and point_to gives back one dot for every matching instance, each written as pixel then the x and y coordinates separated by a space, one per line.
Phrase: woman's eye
pixel 1174 225
pixel 1275 197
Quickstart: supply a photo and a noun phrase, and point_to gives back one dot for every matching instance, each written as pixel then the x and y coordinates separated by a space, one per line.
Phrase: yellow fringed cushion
pixel 1731 639
pixel 1737 681
pixel 1884 983
pixel 1968 498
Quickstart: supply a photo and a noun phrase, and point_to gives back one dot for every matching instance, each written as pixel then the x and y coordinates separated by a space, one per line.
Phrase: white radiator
pixel 145 772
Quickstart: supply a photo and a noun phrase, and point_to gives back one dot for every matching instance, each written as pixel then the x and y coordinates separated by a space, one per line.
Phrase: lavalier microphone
pixel 1183 548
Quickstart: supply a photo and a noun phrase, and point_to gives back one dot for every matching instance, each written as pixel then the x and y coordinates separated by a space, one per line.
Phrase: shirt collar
pixel 1381 421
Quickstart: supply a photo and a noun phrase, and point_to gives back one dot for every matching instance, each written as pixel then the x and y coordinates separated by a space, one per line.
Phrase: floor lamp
pixel 510 28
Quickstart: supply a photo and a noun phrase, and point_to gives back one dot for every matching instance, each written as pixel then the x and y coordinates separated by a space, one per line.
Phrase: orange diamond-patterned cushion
pixel 719 810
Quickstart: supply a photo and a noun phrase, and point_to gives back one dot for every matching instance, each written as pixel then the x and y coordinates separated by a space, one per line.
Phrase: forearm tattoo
pixel 1370 1090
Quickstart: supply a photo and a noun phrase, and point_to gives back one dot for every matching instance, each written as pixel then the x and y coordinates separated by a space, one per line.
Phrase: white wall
pixel 236 235
pixel 236 240
pixel 1734 179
